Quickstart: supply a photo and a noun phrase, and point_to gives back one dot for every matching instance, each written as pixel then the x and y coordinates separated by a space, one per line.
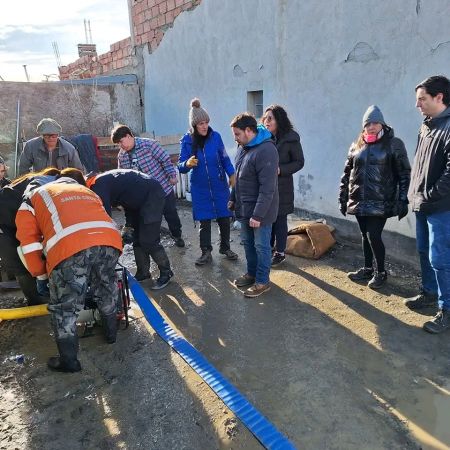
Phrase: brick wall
pixel 150 19
pixel 118 57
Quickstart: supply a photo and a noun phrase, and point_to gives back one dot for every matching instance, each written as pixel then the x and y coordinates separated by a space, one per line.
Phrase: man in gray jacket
pixel 255 199
pixel 48 150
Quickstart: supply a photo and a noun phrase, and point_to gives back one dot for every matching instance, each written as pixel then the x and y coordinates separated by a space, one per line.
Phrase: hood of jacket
pixel 431 121
pixel 262 135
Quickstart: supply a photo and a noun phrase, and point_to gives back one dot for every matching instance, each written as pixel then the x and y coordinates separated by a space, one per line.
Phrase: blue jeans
pixel 433 245
pixel 257 251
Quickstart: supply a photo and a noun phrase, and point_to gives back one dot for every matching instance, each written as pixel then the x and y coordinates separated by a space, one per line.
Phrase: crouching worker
pixel 67 239
pixel 143 199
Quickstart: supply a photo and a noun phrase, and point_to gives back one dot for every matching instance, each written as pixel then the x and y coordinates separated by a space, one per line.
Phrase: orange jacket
pixel 58 220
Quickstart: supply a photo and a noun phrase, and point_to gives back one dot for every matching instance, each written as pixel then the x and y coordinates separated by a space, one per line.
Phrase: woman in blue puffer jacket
pixel 203 154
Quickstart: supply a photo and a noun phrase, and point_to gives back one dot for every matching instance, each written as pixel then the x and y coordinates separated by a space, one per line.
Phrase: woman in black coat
pixel 374 187
pixel 291 159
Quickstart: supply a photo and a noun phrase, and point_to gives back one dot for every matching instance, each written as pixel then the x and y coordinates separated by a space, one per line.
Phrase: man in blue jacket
pixel 143 199
pixel 429 197
pixel 255 199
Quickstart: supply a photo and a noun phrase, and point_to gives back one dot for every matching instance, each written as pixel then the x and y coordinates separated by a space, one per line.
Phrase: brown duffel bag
pixel 309 240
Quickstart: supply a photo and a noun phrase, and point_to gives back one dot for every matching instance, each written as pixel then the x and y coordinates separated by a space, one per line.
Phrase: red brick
pixel 163 7
pixel 154 23
pixel 179 2
pixel 161 20
pixel 170 5
pixel 169 17
pixel 154 45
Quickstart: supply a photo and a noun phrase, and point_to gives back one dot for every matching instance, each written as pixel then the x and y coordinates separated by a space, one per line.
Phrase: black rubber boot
pixel 109 324
pixel 142 264
pixel 28 285
pixel 204 258
pixel 67 360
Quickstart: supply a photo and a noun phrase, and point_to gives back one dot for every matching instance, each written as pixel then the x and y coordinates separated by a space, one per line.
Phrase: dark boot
pixel 67 360
pixel 421 301
pixel 179 242
pixel 229 254
pixel 109 324
pixel 205 257
pixel 165 273
pixel 142 264
pixel 28 285
pixel 163 280
pixel 440 323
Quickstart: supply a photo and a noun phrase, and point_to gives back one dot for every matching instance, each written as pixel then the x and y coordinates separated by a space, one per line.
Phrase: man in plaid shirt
pixel 146 155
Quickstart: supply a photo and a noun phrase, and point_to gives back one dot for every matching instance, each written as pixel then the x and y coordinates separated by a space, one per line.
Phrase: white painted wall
pixel 299 52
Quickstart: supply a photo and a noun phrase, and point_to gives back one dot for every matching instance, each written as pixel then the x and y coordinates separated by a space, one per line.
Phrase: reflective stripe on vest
pixel 26 207
pixel 77 227
pixel 57 226
pixel 31 247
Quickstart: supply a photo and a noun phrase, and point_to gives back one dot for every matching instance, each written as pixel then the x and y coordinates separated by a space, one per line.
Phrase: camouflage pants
pixel 69 281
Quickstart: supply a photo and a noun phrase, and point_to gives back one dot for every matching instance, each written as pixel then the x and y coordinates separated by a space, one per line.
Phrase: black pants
pixel 9 256
pixel 170 213
pixel 224 230
pixel 279 233
pixel 148 237
pixel 371 228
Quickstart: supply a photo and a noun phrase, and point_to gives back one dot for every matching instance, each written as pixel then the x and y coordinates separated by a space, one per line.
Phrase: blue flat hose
pixel 258 425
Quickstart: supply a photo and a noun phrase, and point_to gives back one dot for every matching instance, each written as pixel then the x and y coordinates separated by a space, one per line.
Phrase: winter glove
pixel 42 287
pixel 127 235
pixel 191 162
pixel 343 209
pixel 402 210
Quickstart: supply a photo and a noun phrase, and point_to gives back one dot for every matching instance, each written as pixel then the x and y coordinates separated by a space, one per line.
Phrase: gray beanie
pixel 48 126
pixel 373 114
pixel 197 114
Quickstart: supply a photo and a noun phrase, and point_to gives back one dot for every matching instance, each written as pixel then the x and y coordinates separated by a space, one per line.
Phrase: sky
pixel 28 28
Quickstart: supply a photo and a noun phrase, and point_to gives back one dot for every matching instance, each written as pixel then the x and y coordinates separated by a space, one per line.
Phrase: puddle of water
pixel 427 414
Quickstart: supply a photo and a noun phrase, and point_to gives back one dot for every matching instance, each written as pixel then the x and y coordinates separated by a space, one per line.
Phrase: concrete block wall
pixel 78 109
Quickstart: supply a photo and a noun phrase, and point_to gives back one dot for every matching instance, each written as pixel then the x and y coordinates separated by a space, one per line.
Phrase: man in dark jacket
pixel 143 199
pixel 429 196
pixel 255 199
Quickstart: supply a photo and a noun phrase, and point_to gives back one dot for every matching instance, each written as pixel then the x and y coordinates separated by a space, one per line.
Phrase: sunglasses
pixel 50 136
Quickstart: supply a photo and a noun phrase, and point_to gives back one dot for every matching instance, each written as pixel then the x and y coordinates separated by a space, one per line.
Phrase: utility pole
pixel 26 72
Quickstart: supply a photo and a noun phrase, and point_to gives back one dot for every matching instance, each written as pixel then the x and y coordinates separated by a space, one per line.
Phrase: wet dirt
pixel 333 364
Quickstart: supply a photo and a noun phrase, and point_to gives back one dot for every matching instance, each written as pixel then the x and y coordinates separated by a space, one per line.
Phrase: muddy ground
pixel 333 364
